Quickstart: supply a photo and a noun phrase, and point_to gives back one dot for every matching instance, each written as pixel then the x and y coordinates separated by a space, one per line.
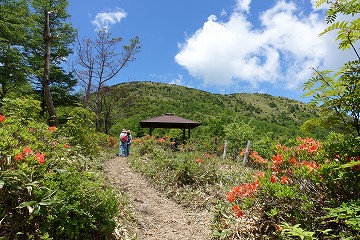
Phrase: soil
pixel 160 218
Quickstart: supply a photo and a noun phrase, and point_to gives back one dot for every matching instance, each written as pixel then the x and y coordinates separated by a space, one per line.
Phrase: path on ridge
pixel 160 218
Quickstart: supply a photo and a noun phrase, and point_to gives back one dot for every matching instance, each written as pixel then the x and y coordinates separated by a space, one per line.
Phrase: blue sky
pixel 219 46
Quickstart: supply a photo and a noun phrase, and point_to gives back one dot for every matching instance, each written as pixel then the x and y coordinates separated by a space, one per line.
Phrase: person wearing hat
pixel 123 142
pixel 128 143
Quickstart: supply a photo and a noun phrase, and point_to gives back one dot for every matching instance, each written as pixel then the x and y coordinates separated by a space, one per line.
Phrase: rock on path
pixel 160 218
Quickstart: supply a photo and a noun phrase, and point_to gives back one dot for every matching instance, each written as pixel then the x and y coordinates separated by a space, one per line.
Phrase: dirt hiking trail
pixel 160 218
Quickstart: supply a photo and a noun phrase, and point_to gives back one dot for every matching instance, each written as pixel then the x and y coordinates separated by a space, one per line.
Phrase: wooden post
pixel 246 152
pixel 225 148
pixel 183 130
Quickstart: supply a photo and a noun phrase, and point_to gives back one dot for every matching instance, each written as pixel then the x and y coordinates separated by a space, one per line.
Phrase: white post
pixel 225 148
pixel 246 152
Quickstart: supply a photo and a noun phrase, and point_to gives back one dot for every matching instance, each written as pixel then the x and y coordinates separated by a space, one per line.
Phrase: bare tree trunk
pixel 46 78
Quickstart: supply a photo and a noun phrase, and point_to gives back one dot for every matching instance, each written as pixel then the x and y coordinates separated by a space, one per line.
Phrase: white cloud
pixel 178 80
pixel 104 20
pixel 280 51
pixel 243 5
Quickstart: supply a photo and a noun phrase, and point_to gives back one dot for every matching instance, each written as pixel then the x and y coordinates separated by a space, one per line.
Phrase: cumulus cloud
pixel 279 51
pixel 243 5
pixel 104 20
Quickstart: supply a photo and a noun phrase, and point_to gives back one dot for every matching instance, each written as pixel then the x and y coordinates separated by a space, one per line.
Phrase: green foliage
pixel 296 232
pixel 238 133
pixel 348 31
pixel 341 171
pixel 338 95
pixel 87 210
pixel 24 108
pixel 179 171
pixel 346 217
pixel 214 111
pixel 49 187
pixel 14 19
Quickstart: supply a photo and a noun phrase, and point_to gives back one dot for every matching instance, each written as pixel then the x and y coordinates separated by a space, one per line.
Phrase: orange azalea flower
pixel 277 159
pixel 199 160
pixel 52 128
pixel 292 160
pixel 40 158
pixel 2 118
pixel 230 197
pixel 273 179
pixel 284 180
pixel 240 213
pixel 18 157
pixel 27 151
pixel 235 208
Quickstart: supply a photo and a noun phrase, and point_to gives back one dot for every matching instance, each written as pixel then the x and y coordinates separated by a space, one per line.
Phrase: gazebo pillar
pixel 151 130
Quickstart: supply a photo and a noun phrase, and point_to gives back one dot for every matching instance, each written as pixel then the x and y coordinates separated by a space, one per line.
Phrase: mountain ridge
pixel 142 100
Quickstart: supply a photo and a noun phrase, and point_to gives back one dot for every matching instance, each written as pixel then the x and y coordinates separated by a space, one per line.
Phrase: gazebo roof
pixel 169 121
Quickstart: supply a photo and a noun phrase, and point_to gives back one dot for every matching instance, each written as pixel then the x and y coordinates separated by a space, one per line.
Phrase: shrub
pixel 46 189
pixel 87 207
pixel 301 192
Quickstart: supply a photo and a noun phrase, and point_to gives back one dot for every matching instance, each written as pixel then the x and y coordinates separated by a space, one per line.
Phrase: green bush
pixel 87 207
pixel 50 186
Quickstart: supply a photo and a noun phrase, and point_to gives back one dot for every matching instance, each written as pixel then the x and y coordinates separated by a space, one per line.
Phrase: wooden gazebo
pixel 169 120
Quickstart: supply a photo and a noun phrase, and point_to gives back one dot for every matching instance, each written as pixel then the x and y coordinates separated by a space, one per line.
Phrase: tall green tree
pixel 14 21
pixel 338 94
pixel 51 37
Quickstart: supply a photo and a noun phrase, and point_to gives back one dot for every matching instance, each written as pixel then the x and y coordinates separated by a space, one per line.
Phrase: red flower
pixel 2 118
pixel 66 145
pixel 284 180
pixel 40 158
pixel 52 128
pixel 27 151
pixel 18 157
pixel 292 160
pixel 277 228
pixel 199 160
pixel 235 208
pixel 277 159
pixel 230 197
pixel 240 214
pixel 273 179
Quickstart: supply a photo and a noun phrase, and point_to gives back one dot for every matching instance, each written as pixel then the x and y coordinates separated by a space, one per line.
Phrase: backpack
pixel 124 138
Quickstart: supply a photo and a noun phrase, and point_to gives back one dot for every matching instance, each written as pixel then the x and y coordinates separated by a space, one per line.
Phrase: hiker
pixel 128 143
pixel 123 142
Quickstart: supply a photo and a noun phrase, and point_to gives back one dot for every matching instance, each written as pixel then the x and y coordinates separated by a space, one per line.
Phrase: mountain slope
pixel 270 115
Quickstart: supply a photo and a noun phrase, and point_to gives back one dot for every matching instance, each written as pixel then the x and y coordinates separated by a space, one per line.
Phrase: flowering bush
pixel 301 183
pixel 37 162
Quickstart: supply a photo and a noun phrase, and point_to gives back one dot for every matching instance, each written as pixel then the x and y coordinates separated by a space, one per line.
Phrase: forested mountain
pixel 274 117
